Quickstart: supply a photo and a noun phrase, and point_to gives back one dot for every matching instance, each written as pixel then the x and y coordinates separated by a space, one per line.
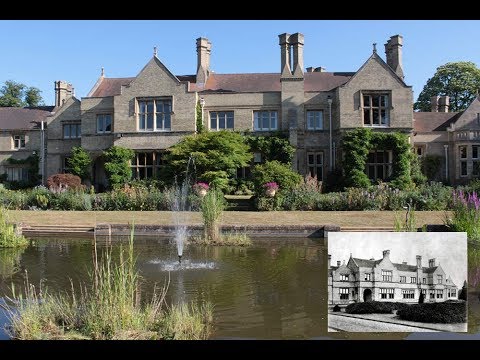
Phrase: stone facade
pixel 382 280
pixel 156 109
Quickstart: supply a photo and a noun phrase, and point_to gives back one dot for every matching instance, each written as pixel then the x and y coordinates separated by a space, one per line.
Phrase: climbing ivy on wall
pixel 198 115
pixel 33 162
pixel 358 143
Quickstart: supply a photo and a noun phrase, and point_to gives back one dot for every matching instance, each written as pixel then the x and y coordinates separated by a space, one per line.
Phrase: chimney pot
pixel 386 253
pixel 393 52
pixel 339 263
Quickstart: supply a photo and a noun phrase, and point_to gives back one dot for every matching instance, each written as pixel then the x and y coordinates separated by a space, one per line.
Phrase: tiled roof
pixel 12 118
pixel 111 86
pixel 267 82
pixel 405 267
pixel 433 121
pixel 429 270
pixel 366 263
pixel 264 82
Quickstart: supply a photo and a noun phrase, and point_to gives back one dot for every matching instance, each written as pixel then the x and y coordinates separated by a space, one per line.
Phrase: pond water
pixel 274 289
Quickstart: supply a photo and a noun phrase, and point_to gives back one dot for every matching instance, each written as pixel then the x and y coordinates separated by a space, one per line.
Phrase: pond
pixel 274 289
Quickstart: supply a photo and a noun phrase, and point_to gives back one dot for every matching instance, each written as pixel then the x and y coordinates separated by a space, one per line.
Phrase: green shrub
pixel 117 165
pixel 71 200
pixel 9 237
pixel 444 312
pixel 369 307
pixel 465 214
pixel 79 162
pixel 275 171
pixel 263 203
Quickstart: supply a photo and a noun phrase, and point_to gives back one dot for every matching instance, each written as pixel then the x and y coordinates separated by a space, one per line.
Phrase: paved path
pixel 343 323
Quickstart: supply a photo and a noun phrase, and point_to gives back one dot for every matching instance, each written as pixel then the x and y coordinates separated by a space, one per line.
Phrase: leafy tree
pixel 274 147
pixel 274 171
pixel 459 80
pixel 79 163
pixel 33 97
pixel 117 165
pixel 14 94
pixel 216 156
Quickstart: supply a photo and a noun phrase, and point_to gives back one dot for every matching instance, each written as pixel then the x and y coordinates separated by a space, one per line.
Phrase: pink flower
pixel 271 185
pixel 201 185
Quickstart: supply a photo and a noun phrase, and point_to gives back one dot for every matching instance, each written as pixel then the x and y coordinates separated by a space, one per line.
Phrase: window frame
pixel 387 275
pixel 321 122
pixel 258 118
pixel 156 165
pixel 21 139
pixel 387 165
pixel 218 119
pixel 413 280
pixel 371 107
pixel 439 279
pixel 368 276
pixel 403 279
pixel 78 130
pixel 344 293
pixel 17 173
pixel 104 121
pixel 315 166
pixel 344 277
pixel 143 116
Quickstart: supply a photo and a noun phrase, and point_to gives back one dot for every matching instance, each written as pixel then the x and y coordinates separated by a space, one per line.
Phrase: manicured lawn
pixel 341 218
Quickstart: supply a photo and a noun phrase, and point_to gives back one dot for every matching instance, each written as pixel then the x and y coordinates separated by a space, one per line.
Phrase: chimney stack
pixel 320 69
pixel 339 263
pixel 310 69
pixel 404 263
pixel 204 48
pixel 386 254
pixel 63 92
pixel 434 103
pixel 443 103
pixel 291 55
pixel 431 263
pixel 393 52
pixel 329 260
pixel 419 261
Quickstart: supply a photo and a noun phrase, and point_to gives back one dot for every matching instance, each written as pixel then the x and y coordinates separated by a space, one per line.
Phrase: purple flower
pixel 271 185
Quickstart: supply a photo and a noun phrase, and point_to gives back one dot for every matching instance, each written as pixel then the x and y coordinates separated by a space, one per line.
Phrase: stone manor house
pixel 382 280
pixel 154 110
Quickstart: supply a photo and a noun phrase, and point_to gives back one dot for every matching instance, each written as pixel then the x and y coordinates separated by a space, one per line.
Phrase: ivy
pixel 273 147
pixel 359 142
pixel 198 115
pixel 33 162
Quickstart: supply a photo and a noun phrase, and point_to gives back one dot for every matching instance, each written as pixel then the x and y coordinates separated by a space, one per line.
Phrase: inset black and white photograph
pixel 397 282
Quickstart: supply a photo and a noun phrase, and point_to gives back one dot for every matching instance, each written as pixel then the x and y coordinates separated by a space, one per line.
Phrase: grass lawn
pixel 341 218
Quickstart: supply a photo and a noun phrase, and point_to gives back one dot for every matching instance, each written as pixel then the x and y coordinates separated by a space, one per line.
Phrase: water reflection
pixel 273 289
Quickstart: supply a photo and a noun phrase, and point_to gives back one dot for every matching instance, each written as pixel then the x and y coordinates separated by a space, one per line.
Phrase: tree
pixel 33 97
pixel 79 163
pixel 458 80
pixel 117 165
pixel 215 156
pixel 14 94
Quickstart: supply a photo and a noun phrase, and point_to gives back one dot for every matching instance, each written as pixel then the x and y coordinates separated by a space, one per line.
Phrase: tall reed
pixel 212 206
pixel 9 236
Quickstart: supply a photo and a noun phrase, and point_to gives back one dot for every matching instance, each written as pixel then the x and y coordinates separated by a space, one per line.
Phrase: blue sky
pixel 38 52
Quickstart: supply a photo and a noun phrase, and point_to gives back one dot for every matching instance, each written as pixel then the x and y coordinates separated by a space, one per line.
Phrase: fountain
pixel 180 208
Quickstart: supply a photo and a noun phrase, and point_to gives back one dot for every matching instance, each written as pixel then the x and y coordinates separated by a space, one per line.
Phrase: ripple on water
pixel 184 265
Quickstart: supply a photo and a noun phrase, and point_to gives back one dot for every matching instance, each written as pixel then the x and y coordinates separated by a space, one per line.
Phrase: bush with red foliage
pixel 63 182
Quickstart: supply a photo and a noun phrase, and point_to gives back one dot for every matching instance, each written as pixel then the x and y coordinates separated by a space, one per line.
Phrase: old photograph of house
pixel 397 282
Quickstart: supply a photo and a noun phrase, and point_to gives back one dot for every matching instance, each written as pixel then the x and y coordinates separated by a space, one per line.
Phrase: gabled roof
pixel 377 58
pixel 217 83
pixel 434 121
pixel 366 263
pixel 13 118
pixel 110 86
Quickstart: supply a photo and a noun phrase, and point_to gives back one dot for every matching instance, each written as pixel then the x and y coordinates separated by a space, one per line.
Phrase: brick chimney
pixel 283 40
pixel 339 263
pixel 297 41
pixel 443 103
pixel 419 261
pixel 434 103
pixel 386 254
pixel 393 52
pixel 431 263
pixel 204 47
pixel 63 92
